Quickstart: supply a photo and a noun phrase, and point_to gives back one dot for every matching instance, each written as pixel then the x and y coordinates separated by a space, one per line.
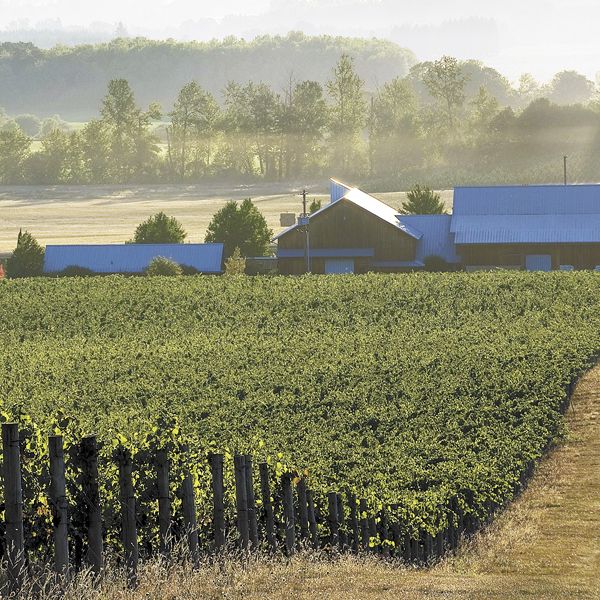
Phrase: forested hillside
pixel 71 81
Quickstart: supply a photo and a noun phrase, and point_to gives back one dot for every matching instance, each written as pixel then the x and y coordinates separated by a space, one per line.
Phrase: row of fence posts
pixel 298 528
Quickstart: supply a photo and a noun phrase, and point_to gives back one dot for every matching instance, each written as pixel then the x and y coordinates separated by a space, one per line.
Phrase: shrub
pixel 76 271
pixel 27 260
pixel 163 266
pixel 189 270
pixel 436 264
pixel 235 264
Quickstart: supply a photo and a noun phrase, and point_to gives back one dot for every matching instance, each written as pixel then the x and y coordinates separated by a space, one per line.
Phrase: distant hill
pixel 71 81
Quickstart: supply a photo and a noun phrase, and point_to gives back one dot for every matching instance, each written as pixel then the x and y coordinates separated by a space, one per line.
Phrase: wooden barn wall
pixel 581 256
pixel 346 225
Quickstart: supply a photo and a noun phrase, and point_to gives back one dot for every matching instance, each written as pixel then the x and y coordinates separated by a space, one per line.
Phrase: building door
pixel 538 262
pixel 339 266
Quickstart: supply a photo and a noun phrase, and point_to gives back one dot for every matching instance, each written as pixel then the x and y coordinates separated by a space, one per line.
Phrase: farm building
pixel 356 233
pixel 132 258
pixel 538 228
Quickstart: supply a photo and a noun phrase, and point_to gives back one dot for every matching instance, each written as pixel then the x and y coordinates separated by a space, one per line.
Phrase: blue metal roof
pixel 527 229
pixel 527 214
pixel 326 252
pixel 527 200
pixel 436 238
pixel 132 258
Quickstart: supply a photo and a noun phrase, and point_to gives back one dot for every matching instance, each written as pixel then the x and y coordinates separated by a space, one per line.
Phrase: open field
pixel 109 214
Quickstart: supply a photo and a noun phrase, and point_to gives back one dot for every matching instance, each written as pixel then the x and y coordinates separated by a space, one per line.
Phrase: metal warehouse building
pixel 538 228
pixel 132 258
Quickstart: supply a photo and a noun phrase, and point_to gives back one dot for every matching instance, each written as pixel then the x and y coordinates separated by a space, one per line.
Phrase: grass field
pixel 109 214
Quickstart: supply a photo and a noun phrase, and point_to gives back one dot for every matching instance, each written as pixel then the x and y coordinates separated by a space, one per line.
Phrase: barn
pixel 357 233
pixel 538 228
pixel 132 258
pixel 535 228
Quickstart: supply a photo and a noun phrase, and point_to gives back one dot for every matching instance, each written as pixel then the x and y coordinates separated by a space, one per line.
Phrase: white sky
pixel 538 36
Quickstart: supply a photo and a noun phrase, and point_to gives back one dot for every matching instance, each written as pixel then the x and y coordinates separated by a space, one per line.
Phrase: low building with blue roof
pixel 538 228
pixel 132 258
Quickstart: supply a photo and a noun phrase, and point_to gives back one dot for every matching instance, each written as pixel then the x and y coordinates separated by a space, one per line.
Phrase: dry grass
pixel 545 546
pixel 109 214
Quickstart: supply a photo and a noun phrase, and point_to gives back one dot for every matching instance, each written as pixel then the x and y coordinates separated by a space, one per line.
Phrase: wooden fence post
pixel 128 516
pixel 241 500
pixel 312 520
pixel 164 501
pixel 364 525
pixel 91 493
pixel 385 533
pixel 332 506
pixel 59 505
pixel 265 491
pixel 188 501
pixel 373 535
pixel 252 519
pixel 216 469
pixel 13 500
pixel 303 511
pixel 343 537
pixel 354 523
pixel 288 514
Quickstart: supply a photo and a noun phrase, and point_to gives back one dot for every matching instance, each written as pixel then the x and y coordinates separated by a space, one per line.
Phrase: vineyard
pixel 430 394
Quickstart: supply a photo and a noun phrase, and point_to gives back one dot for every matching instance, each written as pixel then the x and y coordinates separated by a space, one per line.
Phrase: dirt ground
pixel 110 214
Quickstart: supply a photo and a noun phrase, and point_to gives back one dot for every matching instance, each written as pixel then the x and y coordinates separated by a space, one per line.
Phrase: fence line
pixel 341 525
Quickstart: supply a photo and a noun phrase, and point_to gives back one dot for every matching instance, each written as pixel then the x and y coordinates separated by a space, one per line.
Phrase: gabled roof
pixel 370 204
pixel 527 214
pixel 132 258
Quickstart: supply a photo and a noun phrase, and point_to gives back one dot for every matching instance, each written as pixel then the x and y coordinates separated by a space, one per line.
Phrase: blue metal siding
pixel 338 190
pixel 436 240
pixel 132 258
pixel 538 262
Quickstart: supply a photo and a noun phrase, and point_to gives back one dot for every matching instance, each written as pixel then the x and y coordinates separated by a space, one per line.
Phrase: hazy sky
pixel 515 36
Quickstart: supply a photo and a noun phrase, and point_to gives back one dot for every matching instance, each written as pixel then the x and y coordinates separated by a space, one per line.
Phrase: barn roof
pixel 132 258
pixel 527 214
pixel 436 240
pixel 340 191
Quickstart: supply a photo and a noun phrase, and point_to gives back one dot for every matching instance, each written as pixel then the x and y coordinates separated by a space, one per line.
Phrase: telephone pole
pixel 304 221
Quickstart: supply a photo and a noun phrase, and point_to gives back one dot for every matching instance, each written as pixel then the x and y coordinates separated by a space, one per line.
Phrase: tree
pixel 27 260
pixel 570 87
pixel 393 128
pixel 315 205
pixel 159 229
pixel 347 113
pixel 14 151
pixel 422 201
pixel 96 152
pixel 132 146
pixel 446 82
pixel 194 124
pixel 304 124
pixel 242 227
pixel 485 108
pixel 30 124
pixel 529 89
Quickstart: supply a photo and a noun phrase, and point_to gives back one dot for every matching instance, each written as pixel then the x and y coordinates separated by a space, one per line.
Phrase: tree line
pixel 428 127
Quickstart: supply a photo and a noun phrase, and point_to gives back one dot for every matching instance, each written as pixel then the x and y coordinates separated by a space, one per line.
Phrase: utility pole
pixel 565 167
pixel 305 220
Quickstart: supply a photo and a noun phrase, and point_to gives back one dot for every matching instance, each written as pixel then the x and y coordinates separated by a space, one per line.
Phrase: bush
pixel 235 264
pixel 76 271
pixel 436 264
pixel 27 260
pixel 163 266
pixel 189 270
